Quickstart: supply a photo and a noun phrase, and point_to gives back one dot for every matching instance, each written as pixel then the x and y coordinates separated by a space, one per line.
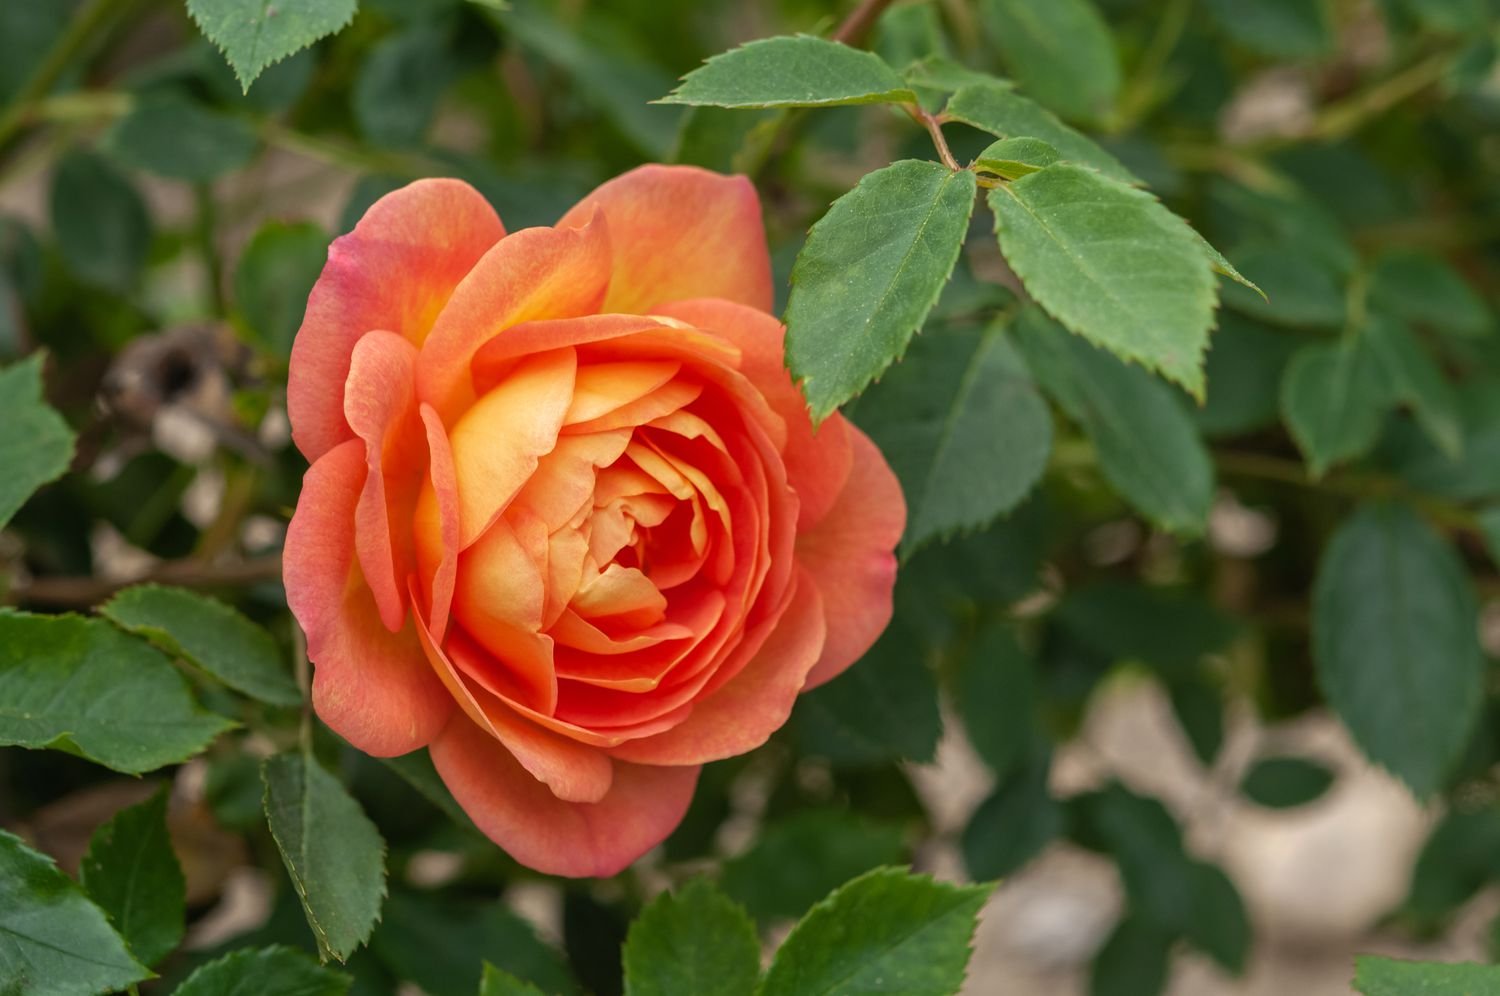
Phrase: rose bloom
pixel 567 522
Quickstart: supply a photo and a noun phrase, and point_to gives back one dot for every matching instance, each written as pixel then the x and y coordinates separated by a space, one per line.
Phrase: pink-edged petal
pixel 395 271
pixel 680 231
pixel 849 555
pixel 575 839
pixel 379 404
pixel 373 687
pixel 536 273
pixel 435 525
pixel 756 702
pixel 817 462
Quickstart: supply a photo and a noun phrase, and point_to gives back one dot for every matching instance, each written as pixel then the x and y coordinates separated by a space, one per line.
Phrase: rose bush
pixel 567 521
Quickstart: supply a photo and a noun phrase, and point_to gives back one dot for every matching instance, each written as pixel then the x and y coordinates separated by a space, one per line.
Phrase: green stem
pixel 82 29
pixel 209 248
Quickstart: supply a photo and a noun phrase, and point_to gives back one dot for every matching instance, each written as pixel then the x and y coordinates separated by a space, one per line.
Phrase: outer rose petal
pixel 395 271
pixel 817 462
pixel 680 231
pixel 849 555
pixel 373 687
pixel 744 713
pixel 576 839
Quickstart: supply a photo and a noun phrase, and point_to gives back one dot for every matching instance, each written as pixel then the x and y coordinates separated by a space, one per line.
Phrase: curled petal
pixel 373 687
pixel 849 555
pixel 395 271
pixel 755 703
pixel 535 273
pixel 577 839
pixel 680 231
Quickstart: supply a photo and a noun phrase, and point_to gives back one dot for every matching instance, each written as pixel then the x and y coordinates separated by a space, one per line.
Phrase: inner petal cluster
pixel 623 524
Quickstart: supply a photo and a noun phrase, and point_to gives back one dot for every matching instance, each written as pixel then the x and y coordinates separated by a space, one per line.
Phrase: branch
pixel 85 23
pixel 859 22
pixel 77 592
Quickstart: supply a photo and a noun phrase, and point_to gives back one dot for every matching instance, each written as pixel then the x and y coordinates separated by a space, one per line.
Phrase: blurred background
pixel 1096 711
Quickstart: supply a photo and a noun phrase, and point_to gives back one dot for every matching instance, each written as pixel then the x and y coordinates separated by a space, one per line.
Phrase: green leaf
pixel 1415 378
pixel 278 969
pixel 1147 446
pixel 1224 267
pixel 964 429
pixel 333 852
pixel 101 224
pixel 995 107
pixel 1450 16
pixel 36 445
pixel 53 941
pixel 498 982
pixel 1112 264
pixel 884 708
pixel 181 139
pixel 254 34
pixel 871 270
pixel 1460 857
pixel 402 80
pixel 694 940
pixel 1282 29
pixel 1300 289
pixel 791 71
pixel 418 771
pixel 1159 879
pixel 1219 926
pixel 1061 51
pixel 1477 474
pixel 996 693
pixel 436 942
pixel 1284 782
pixel 82 686
pixel 608 76
pixel 1377 976
pixel 1198 704
pixel 1424 289
pixel 1395 643
pixel 943 74
pixel 796 862
pixel 131 871
pixel 886 931
pixel 1014 158
pixel 211 635
pixel 1334 398
pixel 275 274
pixel 1133 961
pixel 1246 362
pixel 1015 822
pixel 1170 629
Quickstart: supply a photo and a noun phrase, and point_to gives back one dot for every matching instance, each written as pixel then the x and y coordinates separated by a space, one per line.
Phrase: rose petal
pixel 435 525
pixel 371 686
pixel 644 804
pixel 680 231
pixel 817 463
pixel 379 404
pixel 395 271
pixel 498 442
pixel 754 704
pixel 849 555
pixel 534 273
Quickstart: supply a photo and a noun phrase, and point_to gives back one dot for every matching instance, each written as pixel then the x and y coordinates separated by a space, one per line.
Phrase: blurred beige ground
pixel 1317 880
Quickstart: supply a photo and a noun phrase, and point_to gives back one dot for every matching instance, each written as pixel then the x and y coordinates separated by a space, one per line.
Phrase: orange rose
pixel 567 522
